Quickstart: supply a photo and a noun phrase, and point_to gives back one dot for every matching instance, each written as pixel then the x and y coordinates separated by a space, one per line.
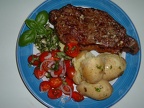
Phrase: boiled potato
pixel 99 91
pixel 92 69
pixel 76 62
pixel 114 66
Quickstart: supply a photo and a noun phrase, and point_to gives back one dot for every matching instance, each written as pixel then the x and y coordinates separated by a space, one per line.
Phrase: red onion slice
pixel 65 98
pixel 50 62
pixel 48 56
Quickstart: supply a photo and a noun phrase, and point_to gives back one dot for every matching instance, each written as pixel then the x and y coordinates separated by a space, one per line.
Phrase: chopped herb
pixel 55 66
pixel 63 55
pixel 97 89
pixel 64 82
pixel 73 48
pixel 47 42
pixel 66 48
pixel 99 67
pixel 48 75
pixel 111 67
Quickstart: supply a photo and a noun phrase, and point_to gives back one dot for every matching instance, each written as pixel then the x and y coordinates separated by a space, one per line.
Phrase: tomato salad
pixel 53 66
pixel 58 73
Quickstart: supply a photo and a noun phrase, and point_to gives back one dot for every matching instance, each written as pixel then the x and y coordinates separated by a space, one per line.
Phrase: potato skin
pixel 114 66
pixel 92 69
pixel 78 77
pixel 99 91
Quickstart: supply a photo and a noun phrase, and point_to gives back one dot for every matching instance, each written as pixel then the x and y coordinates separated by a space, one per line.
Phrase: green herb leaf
pixel 97 89
pixel 56 66
pixel 41 30
pixel 32 24
pixel 27 37
pixel 63 55
pixel 42 17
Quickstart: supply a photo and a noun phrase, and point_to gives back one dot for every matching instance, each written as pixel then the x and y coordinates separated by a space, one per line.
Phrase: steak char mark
pixel 92 29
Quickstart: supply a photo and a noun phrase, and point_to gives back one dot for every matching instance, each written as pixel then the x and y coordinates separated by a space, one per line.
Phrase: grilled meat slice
pixel 92 29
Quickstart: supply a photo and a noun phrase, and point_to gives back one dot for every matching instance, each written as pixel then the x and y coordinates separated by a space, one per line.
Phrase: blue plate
pixel 121 86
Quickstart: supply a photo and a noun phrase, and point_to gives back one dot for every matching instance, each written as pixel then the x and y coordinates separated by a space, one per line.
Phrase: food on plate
pixel 77 62
pixel 93 71
pixel 99 91
pixel 44 86
pixel 92 29
pixel 71 49
pixel 33 60
pixel 40 33
pixel 114 65
pixel 77 96
pixel 54 93
pixel 64 55
pixel 94 68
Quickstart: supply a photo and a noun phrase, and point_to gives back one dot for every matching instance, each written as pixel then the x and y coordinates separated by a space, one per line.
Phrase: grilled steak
pixel 92 29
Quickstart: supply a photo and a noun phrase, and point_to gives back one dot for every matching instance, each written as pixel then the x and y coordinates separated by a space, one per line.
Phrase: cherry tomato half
pixel 55 82
pixel 54 93
pixel 43 56
pixel 54 54
pixel 49 55
pixel 68 82
pixel 39 73
pixel 44 65
pixel 68 63
pixel 67 89
pixel 44 86
pixel 76 96
pixel 70 72
pixel 58 71
pixel 33 60
pixel 72 49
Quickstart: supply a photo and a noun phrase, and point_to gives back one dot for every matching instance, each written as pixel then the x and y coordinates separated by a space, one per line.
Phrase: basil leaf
pixel 41 30
pixel 27 37
pixel 42 17
pixel 32 24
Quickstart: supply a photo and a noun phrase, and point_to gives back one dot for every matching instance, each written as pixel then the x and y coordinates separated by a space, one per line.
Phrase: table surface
pixel 13 92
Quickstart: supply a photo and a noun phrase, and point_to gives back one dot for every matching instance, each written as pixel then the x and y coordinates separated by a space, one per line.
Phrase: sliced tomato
pixel 58 71
pixel 44 65
pixel 67 89
pixel 33 60
pixel 76 96
pixel 54 54
pixel 70 72
pixel 54 93
pixel 69 81
pixel 39 73
pixel 68 63
pixel 49 55
pixel 72 49
pixel 44 55
pixel 55 82
pixel 44 86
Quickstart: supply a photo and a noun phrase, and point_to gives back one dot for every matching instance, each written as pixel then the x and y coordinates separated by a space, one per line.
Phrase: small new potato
pixel 114 66
pixel 78 77
pixel 99 91
pixel 92 69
